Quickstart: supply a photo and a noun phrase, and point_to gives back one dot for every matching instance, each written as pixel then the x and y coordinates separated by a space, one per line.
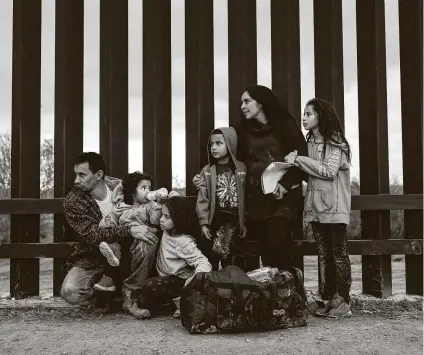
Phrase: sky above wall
pixel 91 74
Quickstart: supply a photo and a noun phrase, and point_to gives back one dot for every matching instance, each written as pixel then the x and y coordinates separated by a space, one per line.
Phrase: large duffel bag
pixel 229 301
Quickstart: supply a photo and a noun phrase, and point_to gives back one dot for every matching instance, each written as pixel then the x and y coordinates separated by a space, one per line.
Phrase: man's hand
pixel 198 181
pixel 279 191
pixel 145 233
pixel 205 232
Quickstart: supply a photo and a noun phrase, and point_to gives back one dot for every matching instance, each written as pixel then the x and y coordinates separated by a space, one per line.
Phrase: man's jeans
pixel 77 287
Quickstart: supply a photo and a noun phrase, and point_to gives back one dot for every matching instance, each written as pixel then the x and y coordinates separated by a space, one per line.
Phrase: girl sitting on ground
pixel 178 258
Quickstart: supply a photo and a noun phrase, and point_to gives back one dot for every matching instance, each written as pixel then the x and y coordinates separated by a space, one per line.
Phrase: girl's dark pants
pixel 334 263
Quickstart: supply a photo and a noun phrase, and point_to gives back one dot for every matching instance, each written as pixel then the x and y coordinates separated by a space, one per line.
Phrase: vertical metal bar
pixel 411 75
pixel 157 140
pixel 242 56
pixel 114 85
pixel 285 54
pixel 199 76
pixel 328 44
pixel 373 138
pixel 68 135
pixel 26 88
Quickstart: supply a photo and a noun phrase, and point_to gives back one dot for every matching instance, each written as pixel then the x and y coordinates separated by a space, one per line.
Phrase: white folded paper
pixel 272 174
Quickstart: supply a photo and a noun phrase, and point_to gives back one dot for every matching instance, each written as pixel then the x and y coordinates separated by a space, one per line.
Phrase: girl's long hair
pixel 329 125
pixel 277 115
pixel 183 214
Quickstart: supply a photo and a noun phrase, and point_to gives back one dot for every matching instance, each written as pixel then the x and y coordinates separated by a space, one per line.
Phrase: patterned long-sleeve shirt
pixel 83 216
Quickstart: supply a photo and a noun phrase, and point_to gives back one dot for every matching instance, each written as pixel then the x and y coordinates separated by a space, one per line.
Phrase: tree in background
pixel 5 165
pixel 46 184
pixel 5 182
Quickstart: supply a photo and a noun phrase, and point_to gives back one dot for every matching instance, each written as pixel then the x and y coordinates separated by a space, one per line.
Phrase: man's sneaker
pixel 111 252
pixel 105 284
pixel 343 310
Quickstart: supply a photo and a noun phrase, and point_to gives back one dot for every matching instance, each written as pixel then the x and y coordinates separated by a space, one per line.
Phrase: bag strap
pixel 235 287
pixel 200 282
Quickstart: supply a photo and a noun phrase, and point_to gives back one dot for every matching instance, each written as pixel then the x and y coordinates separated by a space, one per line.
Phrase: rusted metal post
pixel 242 52
pixel 411 76
pixel 328 46
pixel 114 85
pixel 199 74
pixel 69 97
pixel 285 54
pixel 157 141
pixel 26 83
pixel 373 138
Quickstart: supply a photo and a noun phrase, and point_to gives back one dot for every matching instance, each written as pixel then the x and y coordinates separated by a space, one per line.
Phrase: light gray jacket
pixel 328 196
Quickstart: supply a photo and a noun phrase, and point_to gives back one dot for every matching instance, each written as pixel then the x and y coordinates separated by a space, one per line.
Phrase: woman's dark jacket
pixel 260 145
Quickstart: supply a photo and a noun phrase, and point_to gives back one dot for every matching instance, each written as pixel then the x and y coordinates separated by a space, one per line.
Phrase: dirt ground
pixel 45 326
pixel 36 332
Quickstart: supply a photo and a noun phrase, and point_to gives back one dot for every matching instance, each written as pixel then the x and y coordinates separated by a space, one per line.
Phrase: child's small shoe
pixel 177 313
pixel 323 310
pixel 145 314
pixel 336 301
pixel 342 311
pixel 105 284
pixel 111 252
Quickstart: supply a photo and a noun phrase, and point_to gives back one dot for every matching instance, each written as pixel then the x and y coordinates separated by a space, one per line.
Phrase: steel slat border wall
pixel 69 120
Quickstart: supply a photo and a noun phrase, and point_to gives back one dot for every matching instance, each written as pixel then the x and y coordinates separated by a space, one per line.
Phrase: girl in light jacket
pixel 327 202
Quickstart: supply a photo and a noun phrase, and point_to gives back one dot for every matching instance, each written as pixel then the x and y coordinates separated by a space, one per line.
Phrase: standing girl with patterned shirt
pixel 327 202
